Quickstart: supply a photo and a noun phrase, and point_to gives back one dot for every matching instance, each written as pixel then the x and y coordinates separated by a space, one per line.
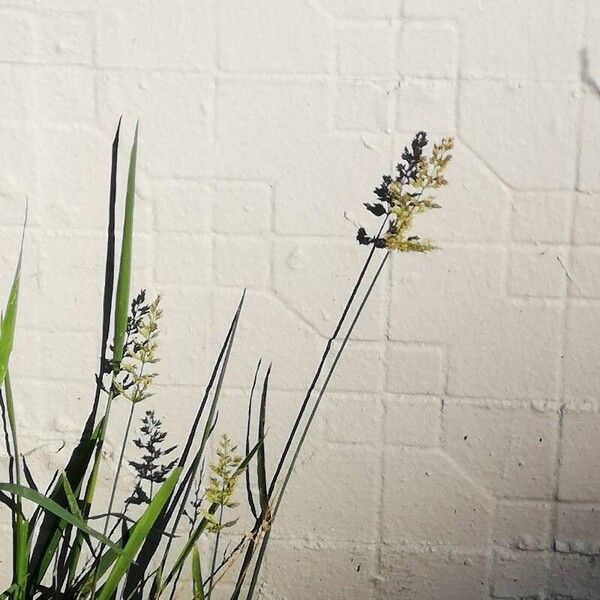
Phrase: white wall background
pixel 458 456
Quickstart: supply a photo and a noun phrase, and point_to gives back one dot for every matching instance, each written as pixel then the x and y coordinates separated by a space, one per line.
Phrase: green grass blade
pixel 120 325
pixel 64 553
pixel 197 588
pixel 50 505
pixel 85 580
pixel 143 527
pixel 9 319
pixel 120 322
pixel 124 278
pixel 38 510
pixel 7 334
pixel 193 538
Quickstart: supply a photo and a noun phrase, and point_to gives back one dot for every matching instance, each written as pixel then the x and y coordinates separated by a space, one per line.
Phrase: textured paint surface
pixel 458 455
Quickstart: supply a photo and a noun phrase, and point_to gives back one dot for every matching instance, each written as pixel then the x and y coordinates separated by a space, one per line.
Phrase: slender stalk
pixel 327 380
pixel 123 446
pixel 193 522
pixel 97 459
pixel 309 422
pixel 214 556
pixel 119 466
pixel 91 487
pixel 227 557
pixel 324 356
pixel 281 463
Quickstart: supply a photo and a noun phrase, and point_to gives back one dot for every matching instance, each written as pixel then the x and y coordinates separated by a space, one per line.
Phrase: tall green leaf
pixel 71 499
pixel 121 313
pixel 124 279
pixel 138 535
pixel 156 586
pixel 9 319
pixel 7 334
pixel 105 366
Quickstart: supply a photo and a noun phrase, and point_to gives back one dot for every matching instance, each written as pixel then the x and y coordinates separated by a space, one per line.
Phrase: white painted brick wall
pixel 458 455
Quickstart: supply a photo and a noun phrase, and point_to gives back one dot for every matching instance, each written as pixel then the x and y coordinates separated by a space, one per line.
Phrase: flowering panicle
pixel 140 350
pixel 406 195
pixel 223 482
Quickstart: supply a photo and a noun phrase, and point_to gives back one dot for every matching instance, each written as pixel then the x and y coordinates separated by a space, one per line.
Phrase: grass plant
pixel 65 544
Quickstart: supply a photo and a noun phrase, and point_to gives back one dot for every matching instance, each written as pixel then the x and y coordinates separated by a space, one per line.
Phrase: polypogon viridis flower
pixel 223 482
pixel 140 350
pixel 408 194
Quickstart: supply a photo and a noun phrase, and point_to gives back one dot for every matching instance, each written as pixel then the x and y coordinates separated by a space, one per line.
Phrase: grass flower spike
pixel 140 350
pixel 223 480
pixel 409 194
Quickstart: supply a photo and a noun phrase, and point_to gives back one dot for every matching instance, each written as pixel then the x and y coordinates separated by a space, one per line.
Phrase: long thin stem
pixel 119 466
pixel 326 382
pixel 324 356
pixel 123 445
pixel 309 422
pixel 227 558
pixel 216 550
pixel 261 518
